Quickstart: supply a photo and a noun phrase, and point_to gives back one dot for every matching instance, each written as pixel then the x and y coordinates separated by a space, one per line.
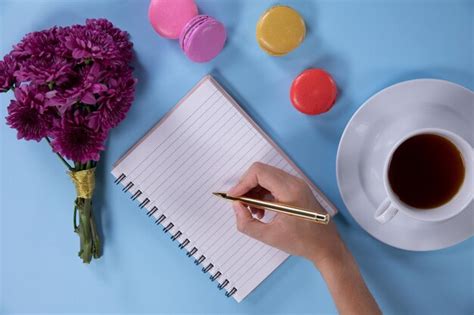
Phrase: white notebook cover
pixel 204 144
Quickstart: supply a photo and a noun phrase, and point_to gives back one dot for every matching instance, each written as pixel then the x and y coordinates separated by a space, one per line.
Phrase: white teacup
pixel 392 204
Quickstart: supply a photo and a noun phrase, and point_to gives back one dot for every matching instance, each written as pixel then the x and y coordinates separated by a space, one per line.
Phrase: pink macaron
pixel 202 38
pixel 168 17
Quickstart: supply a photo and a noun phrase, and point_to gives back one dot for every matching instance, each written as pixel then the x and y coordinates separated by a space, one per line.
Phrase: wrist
pixel 347 287
pixel 332 258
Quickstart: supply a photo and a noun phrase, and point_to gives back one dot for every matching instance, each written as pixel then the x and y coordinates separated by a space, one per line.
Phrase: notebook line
pixel 189 196
pixel 198 246
pixel 255 252
pixel 226 270
pixel 260 263
pixel 224 205
pixel 202 160
pixel 225 224
pixel 229 247
pixel 261 255
pixel 225 236
pixel 214 223
pixel 179 138
pixel 139 188
pixel 171 134
pixel 161 156
pixel 183 204
pixel 228 220
pixel 206 208
pixel 156 183
pixel 205 200
pixel 243 240
pixel 233 252
pixel 250 276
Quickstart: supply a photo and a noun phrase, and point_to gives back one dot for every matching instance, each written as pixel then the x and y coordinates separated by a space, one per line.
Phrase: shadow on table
pixel 100 202
pixel 142 75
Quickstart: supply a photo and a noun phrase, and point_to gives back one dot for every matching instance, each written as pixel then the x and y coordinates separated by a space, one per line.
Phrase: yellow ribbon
pixel 84 181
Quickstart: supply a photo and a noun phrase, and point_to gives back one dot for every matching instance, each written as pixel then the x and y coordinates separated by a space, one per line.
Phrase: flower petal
pixel 88 99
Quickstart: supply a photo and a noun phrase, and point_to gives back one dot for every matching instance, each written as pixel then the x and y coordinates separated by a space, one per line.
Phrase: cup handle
pixel 385 212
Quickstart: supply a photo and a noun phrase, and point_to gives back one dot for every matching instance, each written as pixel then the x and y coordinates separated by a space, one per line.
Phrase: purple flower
pixel 72 84
pixel 8 66
pixel 42 45
pixel 92 44
pixel 76 141
pixel 45 71
pixel 114 102
pixel 120 37
pixel 41 58
pixel 83 91
pixel 29 115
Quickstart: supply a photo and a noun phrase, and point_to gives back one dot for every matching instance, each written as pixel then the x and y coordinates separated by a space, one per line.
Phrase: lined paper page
pixel 204 145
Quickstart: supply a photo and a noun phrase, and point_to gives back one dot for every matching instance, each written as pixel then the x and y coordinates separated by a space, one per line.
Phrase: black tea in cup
pixel 426 171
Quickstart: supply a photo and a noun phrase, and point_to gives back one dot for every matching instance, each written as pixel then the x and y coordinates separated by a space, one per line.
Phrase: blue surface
pixel 366 45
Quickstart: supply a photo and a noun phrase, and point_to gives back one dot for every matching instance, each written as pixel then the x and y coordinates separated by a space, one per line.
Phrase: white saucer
pixel 370 134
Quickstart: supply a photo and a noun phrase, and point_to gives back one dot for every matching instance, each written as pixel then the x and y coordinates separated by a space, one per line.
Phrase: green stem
pixel 75 218
pixel 79 166
pixel 90 246
pixel 69 167
pixel 95 238
pixel 84 230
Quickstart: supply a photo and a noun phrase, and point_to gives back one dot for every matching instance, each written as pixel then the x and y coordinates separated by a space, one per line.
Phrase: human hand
pixel 319 243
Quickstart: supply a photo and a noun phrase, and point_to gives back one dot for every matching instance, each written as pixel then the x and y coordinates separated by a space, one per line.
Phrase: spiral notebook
pixel 204 144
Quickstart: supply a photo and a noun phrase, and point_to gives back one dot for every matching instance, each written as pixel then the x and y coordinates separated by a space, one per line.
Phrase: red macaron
pixel 313 92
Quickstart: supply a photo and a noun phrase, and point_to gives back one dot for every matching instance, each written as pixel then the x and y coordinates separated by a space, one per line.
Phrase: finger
pixel 257 212
pixel 259 174
pixel 257 193
pixel 246 223
pixel 242 187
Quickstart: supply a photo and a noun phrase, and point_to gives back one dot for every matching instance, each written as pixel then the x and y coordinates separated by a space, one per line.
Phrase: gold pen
pixel 280 208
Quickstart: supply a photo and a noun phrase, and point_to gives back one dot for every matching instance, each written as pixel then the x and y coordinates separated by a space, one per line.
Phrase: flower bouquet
pixel 71 85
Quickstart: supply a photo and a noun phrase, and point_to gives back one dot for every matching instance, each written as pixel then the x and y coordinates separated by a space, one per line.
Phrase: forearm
pixel 347 286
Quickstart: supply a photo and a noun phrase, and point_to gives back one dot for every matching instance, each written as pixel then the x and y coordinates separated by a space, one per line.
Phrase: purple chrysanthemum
pixel 45 71
pixel 42 45
pixel 41 58
pixel 87 43
pixel 29 116
pixel 83 91
pixel 120 37
pixel 76 141
pixel 8 66
pixel 114 102
pixel 72 84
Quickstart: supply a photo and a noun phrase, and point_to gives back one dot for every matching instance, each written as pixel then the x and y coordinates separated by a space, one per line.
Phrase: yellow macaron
pixel 280 30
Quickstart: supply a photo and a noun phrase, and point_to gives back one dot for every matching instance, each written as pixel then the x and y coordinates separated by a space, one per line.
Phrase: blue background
pixel 366 45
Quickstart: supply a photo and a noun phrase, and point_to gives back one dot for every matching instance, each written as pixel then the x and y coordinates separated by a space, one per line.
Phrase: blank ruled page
pixel 203 145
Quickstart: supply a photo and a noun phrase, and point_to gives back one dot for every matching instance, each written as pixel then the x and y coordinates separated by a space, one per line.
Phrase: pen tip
pixel 219 194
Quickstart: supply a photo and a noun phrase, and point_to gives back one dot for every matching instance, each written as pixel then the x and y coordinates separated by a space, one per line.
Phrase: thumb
pixel 247 224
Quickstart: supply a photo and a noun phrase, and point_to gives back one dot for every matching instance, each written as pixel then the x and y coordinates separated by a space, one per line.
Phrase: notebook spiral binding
pixel 175 236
